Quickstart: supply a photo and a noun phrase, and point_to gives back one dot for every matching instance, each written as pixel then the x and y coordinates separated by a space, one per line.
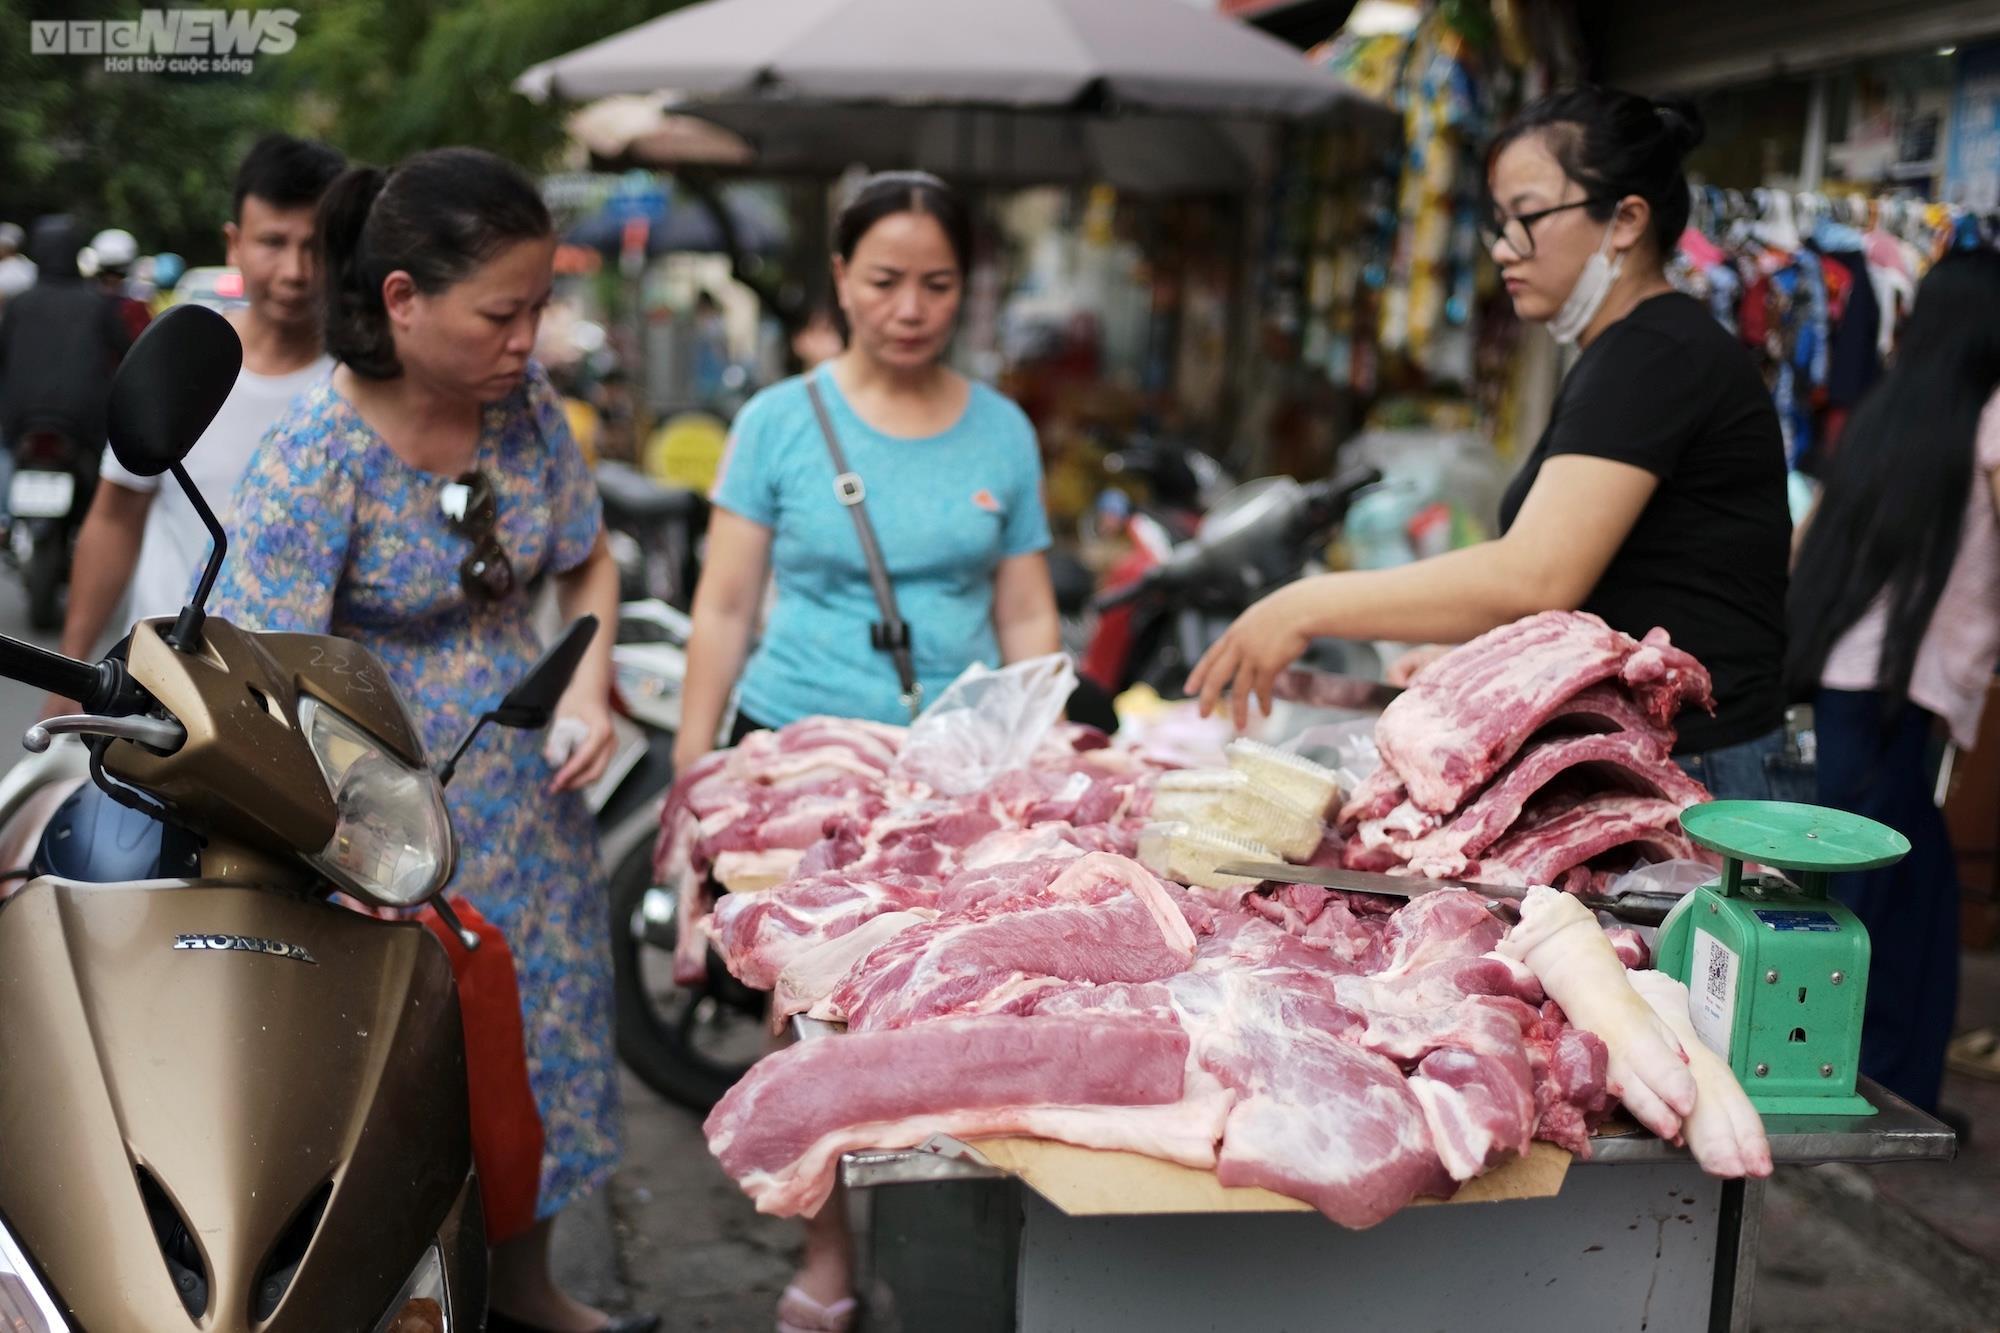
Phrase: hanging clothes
pixel 1895 285
pixel 1784 317
pixel 1817 300
pixel 1705 271
pixel 1428 289
pixel 1855 359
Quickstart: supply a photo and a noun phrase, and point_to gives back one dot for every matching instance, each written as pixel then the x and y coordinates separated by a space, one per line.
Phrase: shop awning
pixel 1696 45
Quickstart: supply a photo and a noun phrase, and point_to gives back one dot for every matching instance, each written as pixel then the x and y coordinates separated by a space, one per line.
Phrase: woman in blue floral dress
pixel 412 501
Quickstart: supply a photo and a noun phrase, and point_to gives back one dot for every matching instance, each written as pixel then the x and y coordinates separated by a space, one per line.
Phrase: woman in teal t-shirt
pixel 953 487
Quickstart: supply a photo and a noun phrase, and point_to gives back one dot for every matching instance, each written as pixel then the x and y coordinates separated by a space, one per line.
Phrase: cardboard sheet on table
pixel 1088 1182
pixel 752 883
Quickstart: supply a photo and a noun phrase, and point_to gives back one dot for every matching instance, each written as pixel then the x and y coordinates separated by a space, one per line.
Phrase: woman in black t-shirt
pixel 1657 494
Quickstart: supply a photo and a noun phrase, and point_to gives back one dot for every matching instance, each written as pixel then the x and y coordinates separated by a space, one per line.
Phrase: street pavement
pixel 19 705
pixel 672 1234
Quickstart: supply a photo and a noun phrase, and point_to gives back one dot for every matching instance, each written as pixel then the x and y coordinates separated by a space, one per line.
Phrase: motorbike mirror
pixel 170 386
pixel 532 701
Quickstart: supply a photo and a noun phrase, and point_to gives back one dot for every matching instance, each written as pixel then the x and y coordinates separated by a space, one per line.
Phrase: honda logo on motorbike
pixel 245 944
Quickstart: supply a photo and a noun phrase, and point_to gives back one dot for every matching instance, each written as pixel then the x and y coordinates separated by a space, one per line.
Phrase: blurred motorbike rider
pixel 135 525
pixel 17 272
pixel 59 342
pixel 116 251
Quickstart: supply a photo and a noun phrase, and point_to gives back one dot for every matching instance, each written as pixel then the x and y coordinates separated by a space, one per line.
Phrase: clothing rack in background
pixel 1816 284
pixel 1933 226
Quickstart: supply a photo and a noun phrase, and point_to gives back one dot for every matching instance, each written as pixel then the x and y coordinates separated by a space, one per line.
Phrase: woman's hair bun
pixel 1682 120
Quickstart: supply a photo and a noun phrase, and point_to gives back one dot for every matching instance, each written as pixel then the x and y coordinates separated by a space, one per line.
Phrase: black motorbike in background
pixel 60 342
pixel 654 533
pixel 1259 537
pixel 689 1044
pixel 55 474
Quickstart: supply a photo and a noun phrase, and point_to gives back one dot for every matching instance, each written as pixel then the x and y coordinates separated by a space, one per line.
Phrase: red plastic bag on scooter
pixel 506 1123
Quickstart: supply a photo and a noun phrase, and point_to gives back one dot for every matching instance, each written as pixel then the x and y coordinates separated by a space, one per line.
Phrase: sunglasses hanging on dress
pixel 471 508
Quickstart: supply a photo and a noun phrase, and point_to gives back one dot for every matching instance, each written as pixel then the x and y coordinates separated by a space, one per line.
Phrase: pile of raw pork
pixel 1536 754
pixel 1003 966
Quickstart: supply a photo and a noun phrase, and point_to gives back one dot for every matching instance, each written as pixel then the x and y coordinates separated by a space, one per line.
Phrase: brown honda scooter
pixel 226 1102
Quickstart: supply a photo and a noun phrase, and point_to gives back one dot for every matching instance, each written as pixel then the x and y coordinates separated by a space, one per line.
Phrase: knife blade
pixel 1639 909
pixel 1325 689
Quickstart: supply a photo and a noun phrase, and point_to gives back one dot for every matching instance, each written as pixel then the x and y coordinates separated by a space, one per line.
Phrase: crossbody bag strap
pixel 891 634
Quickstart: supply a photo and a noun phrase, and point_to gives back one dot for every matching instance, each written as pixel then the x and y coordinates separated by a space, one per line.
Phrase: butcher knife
pixel 1325 689
pixel 1639 909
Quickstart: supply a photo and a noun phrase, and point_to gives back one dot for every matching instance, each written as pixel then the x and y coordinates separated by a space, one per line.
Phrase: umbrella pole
pixel 707 192
pixel 632 273
pixel 1252 220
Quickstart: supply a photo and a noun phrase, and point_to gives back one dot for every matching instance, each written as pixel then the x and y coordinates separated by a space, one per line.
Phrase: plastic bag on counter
pixel 1665 879
pixel 986 723
pixel 1347 747
pixel 1175 734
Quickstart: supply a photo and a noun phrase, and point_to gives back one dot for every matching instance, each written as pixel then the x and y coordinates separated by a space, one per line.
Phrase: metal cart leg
pixel 1739 1224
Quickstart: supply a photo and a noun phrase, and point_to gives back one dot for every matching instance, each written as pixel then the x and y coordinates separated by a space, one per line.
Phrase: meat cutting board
pixel 1088 1182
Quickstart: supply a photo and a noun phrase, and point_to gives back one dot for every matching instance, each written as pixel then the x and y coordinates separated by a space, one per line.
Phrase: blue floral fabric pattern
pixel 332 532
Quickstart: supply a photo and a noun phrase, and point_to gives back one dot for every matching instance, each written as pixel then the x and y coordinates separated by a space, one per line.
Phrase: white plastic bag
pixel 1666 879
pixel 986 723
pixel 1347 747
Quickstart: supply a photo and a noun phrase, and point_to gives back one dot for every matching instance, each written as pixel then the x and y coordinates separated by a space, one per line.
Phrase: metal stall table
pixel 1637 1238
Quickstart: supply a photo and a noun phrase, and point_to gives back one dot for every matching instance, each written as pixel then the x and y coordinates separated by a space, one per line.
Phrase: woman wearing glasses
pixel 411 502
pixel 1656 496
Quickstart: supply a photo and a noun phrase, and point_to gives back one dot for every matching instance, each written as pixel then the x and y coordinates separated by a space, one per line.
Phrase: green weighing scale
pixel 1777 974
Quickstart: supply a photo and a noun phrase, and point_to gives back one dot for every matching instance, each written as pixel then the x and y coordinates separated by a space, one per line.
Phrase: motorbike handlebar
pixel 1125 596
pixel 1325 504
pixel 1327 500
pixel 98 686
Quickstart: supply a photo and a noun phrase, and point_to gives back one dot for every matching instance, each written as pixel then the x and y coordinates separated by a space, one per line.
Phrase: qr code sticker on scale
pixel 1712 1005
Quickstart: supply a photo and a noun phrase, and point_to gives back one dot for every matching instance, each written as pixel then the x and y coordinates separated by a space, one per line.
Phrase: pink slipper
pixel 800 1313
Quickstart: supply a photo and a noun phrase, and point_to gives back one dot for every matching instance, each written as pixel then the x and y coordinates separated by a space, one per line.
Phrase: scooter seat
pixel 633 496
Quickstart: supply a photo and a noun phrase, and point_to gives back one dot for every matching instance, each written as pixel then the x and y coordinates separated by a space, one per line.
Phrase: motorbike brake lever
pixel 154 733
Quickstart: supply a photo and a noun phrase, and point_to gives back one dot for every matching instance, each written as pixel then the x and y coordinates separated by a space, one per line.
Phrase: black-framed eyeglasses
pixel 471 509
pixel 1518 231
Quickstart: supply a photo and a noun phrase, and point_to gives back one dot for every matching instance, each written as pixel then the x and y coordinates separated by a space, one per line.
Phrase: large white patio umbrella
pixel 1131 55
pixel 1148 94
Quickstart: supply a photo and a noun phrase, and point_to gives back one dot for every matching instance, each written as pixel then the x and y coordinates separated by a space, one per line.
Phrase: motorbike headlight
pixel 25 1304
pixel 424 1303
pixel 392 841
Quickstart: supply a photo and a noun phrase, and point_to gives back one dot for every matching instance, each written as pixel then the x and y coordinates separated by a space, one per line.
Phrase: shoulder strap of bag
pixel 891 634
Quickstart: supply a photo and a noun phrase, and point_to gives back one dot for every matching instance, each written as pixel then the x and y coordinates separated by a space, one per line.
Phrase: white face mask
pixel 1600 271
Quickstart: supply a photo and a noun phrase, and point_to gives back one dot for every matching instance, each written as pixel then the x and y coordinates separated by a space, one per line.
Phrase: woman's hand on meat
pixel 1246 660
pixel 591 755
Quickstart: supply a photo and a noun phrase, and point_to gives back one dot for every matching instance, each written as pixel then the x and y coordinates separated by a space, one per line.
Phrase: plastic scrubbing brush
pixel 1195 795
pixel 1190 855
pixel 1256 814
pixel 1294 779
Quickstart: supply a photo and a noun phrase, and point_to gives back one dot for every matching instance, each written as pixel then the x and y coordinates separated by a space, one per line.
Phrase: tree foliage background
pixel 378 79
